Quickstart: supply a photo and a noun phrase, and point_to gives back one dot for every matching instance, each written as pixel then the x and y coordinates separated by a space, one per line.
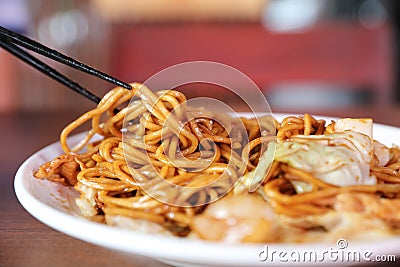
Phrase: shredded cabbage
pixel 338 158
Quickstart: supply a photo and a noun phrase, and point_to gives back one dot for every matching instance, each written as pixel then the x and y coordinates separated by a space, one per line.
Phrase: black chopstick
pixel 39 65
pixel 57 56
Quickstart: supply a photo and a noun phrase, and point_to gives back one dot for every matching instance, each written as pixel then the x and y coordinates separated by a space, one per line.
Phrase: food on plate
pixel 301 179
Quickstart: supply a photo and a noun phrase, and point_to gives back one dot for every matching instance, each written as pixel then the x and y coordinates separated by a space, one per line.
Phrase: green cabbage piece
pixel 340 158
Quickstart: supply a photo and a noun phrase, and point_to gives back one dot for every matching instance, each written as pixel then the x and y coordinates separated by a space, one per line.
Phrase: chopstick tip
pixel 126 85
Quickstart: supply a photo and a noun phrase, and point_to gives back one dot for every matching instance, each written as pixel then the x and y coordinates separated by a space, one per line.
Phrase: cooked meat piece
pixel 382 208
pixel 62 169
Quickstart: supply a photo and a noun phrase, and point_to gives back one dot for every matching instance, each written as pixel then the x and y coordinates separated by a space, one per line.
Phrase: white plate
pixel 53 205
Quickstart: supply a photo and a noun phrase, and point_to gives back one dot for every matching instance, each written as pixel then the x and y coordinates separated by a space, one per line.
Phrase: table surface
pixel 24 241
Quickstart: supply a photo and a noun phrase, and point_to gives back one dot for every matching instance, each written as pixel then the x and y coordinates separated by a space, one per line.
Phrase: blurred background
pixel 305 55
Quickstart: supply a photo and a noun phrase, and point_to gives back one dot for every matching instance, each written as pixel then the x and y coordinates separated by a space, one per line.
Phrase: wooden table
pixel 24 241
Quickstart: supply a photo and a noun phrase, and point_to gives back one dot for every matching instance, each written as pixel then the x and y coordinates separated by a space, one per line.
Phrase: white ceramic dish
pixel 53 205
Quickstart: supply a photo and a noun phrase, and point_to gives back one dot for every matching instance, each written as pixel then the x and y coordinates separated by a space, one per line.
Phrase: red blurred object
pixel 338 53
pixel 8 82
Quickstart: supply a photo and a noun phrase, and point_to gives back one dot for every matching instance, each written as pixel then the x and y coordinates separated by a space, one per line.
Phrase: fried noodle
pixel 112 174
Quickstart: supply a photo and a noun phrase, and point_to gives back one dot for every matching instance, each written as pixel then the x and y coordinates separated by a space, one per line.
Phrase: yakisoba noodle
pixel 111 174
pixel 321 198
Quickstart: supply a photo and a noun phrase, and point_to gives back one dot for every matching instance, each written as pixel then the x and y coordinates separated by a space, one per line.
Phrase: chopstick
pixel 49 71
pixel 9 41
